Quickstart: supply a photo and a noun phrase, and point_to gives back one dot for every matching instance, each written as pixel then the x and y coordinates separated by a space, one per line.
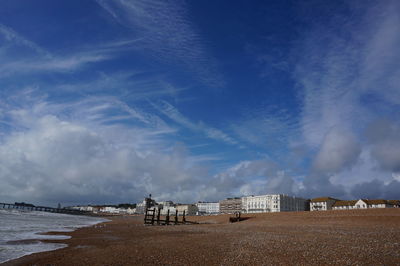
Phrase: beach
pixel 348 237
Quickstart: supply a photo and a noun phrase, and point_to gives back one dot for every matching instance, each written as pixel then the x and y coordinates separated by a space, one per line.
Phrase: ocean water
pixel 20 231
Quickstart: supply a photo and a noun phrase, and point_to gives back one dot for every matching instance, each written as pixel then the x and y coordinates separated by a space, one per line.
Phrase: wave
pixel 21 231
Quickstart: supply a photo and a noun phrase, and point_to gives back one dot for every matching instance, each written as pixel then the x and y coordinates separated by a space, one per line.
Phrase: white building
pixel 207 208
pixel 189 209
pixel 130 210
pixel 171 209
pixel 143 206
pixel 273 203
pixel 322 204
pixel 83 208
pixel 363 204
pixel 377 203
pixel 344 205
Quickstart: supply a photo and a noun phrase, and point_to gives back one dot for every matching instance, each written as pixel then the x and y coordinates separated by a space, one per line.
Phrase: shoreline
pixel 42 240
pixel 309 238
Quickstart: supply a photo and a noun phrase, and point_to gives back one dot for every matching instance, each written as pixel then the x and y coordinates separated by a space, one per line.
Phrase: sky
pixel 107 101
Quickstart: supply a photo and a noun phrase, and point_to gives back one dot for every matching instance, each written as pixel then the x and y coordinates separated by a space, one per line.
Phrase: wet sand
pixel 359 237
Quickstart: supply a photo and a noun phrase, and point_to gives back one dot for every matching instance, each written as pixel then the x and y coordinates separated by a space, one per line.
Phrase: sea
pixel 20 231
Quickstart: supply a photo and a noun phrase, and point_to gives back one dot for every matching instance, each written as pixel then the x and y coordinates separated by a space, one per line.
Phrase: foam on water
pixel 20 231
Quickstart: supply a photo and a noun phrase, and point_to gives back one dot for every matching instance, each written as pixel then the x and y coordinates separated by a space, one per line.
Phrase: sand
pixel 359 237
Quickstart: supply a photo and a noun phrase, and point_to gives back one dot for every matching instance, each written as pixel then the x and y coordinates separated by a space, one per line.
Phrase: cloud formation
pixel 348 77
pixel 384 136
pixel 172 113
pixel 338 151
pixel 51 158
pixel 166 32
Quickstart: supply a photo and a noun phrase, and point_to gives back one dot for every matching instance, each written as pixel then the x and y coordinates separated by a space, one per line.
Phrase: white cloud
pixel 339 150
pixel 348 71
pixel 253 178
pixel 55 64
pixel 384 137
pixel 172 113
pixel 50 158
pixel 10 35
pixel 164 29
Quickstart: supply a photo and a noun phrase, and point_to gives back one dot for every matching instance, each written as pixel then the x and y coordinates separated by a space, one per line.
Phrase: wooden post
pixel 167 218
pixel 158 216
pixel 145 217
pixel 152 218
pixel 176 217
pixel 183 217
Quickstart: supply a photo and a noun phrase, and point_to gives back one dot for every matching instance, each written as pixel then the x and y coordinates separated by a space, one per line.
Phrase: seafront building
pixel 207 208
pixel 322 204
pixel 365 204
pixel 230 205
pixel 273 203
pixel 189 209
pixel 148 202
pixel 104 209
pixel 171 210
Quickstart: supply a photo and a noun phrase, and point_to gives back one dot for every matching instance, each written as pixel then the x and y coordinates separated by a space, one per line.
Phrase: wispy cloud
pixel 166 32
pixel 267 127
pixel 56 64
pixel 340 74
pixel 172 113
pixel 43 61
pixel 10 35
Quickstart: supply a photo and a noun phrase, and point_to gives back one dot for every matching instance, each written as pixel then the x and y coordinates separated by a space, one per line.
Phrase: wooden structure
pixel 153 217
pixel 236 218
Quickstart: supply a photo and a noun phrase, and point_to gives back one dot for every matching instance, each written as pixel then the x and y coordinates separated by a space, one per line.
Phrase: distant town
pixel 247 204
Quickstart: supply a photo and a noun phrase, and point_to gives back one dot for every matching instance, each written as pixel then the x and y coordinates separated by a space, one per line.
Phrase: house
pixel 322 204
pixel 376 203
pixel 365 204
pixel 344 205
pixel 361 204
pixel 394 203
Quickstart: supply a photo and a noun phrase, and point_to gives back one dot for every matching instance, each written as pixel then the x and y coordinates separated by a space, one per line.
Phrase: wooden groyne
pixel 153 217
pixel 29 207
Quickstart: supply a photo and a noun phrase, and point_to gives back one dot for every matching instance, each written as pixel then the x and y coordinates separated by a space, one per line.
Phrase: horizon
pixel 110 100
pixel 117 204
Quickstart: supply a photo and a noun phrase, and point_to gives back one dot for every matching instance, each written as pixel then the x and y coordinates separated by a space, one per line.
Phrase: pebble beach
pixel 350 237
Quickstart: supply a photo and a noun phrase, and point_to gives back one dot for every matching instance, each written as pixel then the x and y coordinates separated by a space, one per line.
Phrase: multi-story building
pixel 167 203
pixel 273 203
pixel 207 208
pixel 230 205
pixel 322 204
pixel 189 209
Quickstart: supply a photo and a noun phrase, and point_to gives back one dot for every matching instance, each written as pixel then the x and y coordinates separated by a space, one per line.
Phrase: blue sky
pixel 106 101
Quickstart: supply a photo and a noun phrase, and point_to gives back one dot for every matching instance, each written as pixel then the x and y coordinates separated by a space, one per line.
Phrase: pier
pixel 30 207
